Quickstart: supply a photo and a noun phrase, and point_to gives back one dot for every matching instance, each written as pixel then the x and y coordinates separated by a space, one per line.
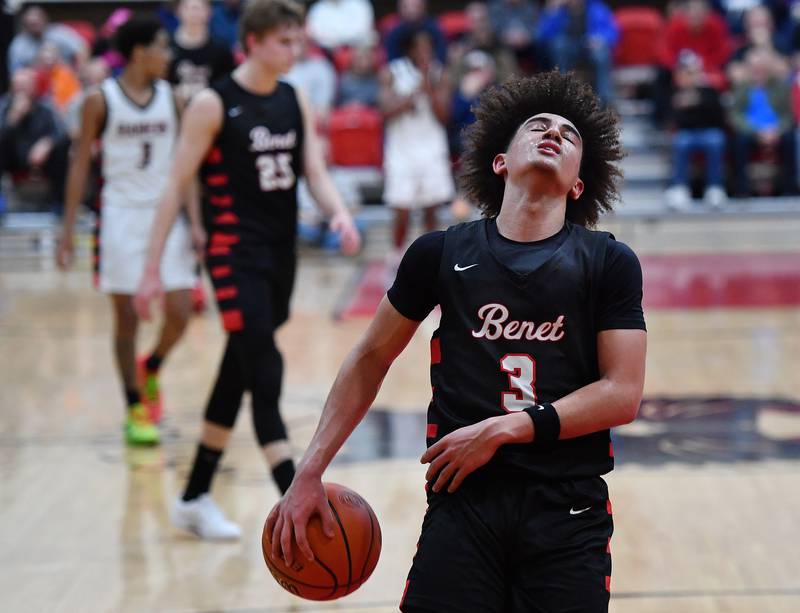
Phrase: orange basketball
pixel 341 564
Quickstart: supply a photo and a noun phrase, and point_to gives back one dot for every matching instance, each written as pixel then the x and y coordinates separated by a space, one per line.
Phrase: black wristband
pixel 546 425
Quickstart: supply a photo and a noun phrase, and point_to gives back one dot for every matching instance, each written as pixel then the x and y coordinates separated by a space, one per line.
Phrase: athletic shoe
pixel 139 429
pixel 678 198
pixel 715 197
pixel 150 390
pixel 204 518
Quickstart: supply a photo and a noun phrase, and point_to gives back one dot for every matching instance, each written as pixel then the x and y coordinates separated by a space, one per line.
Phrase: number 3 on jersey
pixel 521 369
pixel 275 171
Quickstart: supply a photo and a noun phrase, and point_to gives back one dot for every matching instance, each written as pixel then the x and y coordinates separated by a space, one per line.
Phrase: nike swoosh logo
pixel 572 511
pixel 235 111
pixel 458 268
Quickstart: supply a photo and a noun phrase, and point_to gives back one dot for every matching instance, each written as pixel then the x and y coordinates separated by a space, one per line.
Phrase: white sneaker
pixel 678 198
pixel 715 196
pixel 204 518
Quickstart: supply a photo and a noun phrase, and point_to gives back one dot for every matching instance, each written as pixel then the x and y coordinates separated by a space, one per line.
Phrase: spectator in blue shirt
pixel 414 16
pixel 225 21
pixel 581 33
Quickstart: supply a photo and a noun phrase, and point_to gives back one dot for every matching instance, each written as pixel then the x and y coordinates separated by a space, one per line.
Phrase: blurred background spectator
pixel 55 79
pixel 415 100
pixel 481 37
pixel 413 15
pixel 335 23
pixel 225 22
pixel 35 30
pixel 762 122
pixel 759 33
pixel 580 35
pixel 32 137
pixel 358 84
pixel 198 59
pixel 480 73
pixel 104 45
pixel 514 25
pixel 698 121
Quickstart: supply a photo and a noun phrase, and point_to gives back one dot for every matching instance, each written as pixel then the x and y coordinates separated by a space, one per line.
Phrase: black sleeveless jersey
pixel 250 173
pixel 507 341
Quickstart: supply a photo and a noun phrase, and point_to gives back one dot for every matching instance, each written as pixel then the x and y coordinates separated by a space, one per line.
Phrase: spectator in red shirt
pixel 693 26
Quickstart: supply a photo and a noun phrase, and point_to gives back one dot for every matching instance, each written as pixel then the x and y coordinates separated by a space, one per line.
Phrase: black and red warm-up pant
pixel 253 289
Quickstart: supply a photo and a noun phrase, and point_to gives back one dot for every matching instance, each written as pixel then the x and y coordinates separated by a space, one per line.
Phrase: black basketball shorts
pixel 514 546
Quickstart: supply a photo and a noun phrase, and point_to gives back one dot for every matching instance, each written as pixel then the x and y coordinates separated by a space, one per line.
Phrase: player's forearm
pixel 325 193
pixel 192 198
pixel 352 393
pixel 598 406
pixel 167 211
pixel 75 188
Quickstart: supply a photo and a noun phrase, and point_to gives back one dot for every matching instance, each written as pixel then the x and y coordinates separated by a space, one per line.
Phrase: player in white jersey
pixel 135 117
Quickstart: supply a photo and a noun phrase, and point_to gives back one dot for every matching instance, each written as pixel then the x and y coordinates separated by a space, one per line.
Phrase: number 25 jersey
pixel 250 173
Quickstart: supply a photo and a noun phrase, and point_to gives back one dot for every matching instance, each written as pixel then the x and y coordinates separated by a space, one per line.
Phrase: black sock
pixel 283 474
pixel 153 363
pixel 132 397
pixel 205 465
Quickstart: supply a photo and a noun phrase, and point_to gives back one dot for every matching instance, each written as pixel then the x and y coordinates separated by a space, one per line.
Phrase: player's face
pixel 157 55
pixel 549 143
pixel 278 49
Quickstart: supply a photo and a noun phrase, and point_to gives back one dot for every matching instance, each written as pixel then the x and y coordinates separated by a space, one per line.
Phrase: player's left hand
pixel 199 239
pixel 349 237
pixel 458 454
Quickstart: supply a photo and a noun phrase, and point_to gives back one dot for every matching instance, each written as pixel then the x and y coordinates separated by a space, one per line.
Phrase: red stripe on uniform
pixel 405 591
pixel 227 292
pixel 223 239
pixel 226 219
pixel 217 272
pixel 608 583
pixel 218 250
pixel 608 506
pixel 432 431
pixel 221 200
pixel 217 180
pixel 214 156
pixel 610 449
pixel 232 320
pixel 436 351
pixel 608 546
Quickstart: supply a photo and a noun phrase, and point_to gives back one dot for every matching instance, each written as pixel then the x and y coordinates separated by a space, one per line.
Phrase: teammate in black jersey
pixel 540 350
pixel 253 136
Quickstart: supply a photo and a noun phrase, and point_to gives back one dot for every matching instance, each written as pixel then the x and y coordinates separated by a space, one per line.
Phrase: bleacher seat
pixel 355 134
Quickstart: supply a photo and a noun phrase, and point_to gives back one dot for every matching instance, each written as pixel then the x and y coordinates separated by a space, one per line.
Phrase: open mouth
pixel 548 147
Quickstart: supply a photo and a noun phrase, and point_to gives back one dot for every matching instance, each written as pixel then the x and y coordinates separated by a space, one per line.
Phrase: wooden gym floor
pixel 706 492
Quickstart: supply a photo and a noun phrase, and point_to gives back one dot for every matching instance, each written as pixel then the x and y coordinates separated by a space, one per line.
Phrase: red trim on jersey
pixel 232 320
pixel 608 546
pixel 218 250
pixel 214 156
pixel 432 431
pixel 226 200
pixel 217 180
pixel 610 449
pixel 405 590
pixel 436 351
pixel 217 272
pixel 223 239
pixel 608 583
pixel 608 506
pixel 227 292
pixel 226 219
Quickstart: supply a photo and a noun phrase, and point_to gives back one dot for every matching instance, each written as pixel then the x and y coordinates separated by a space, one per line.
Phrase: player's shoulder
pixel 430 243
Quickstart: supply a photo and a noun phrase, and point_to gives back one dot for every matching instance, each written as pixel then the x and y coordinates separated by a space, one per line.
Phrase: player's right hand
pixel 150 288
pixel 288 520
pixel 65 252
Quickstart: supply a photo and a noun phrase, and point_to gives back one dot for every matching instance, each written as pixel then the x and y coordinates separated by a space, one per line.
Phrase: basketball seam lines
pixel 346 546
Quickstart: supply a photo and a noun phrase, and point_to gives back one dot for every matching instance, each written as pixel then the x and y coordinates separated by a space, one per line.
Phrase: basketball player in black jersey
pixel 540 350
pixel 250 136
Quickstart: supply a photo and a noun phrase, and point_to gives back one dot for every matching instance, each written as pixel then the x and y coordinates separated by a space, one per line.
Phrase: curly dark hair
pixel 501 111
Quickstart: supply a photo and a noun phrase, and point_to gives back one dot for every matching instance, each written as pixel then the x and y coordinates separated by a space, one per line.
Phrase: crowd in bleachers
pixel 723 78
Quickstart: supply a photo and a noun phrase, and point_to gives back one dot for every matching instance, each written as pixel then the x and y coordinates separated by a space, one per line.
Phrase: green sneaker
pixel 139 430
